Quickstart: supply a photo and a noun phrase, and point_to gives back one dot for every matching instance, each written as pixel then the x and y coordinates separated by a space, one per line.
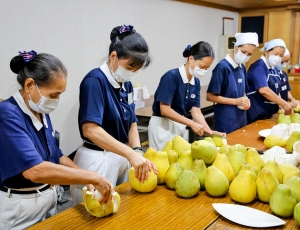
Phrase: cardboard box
pixel 138 98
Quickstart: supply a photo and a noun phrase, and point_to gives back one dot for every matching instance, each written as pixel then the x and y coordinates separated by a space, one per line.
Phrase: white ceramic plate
pixel 247 216
pixel 264 132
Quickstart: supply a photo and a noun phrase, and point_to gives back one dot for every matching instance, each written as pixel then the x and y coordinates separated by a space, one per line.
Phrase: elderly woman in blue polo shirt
pixel 107 121
pixel 177 98
pixel 30 158
pixel 263 84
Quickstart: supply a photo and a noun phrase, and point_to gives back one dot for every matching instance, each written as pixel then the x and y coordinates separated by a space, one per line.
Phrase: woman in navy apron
pixel 263 83
pixel 285 86
pixel 227 85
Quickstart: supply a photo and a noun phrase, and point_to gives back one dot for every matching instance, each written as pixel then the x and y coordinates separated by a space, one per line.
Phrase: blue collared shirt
pixel 24 142
pixel 175 90
pixel 106 103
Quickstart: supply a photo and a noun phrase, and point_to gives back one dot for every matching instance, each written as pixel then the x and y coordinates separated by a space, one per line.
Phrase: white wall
pixel 78 32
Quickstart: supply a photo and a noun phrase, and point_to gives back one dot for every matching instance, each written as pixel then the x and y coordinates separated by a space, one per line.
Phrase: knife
pixel 206 134
pixel 224 138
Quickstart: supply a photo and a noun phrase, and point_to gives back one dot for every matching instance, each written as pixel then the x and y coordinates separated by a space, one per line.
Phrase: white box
pixel 138 97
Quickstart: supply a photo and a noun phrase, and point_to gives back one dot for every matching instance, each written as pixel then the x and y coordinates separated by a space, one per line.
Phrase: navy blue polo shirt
pixel 257 75
pixel 175 90
pixel 228 80
pixel 105 102
pixel 24 142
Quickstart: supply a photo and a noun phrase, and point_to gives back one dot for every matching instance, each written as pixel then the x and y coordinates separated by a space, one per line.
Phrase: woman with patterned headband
pixel 107 122
pixel 30 158
pixel 177 98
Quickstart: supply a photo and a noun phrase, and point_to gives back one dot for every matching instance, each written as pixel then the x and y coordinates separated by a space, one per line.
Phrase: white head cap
pixel 246 38
pixel 273 43
pixel 286 52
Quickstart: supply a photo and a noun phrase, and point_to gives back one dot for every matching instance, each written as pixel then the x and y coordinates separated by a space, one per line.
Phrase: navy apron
pixel 261 108
pixel 228 118
pixel 284 85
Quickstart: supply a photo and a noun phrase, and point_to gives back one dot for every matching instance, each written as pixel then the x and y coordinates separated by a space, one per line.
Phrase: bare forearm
pixel 220 99
pixel 199 118
pixel 271 96
pixel 50 173
pixel 168 112
pixel 133 136
pixel 66 161
pixel 101 138
pixel 290 97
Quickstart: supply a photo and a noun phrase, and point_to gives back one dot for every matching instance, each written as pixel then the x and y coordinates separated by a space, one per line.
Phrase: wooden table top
pixel 147 110
pixel 162 208
pixel 248 135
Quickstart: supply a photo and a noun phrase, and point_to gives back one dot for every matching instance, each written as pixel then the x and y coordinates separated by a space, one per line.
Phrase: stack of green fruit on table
pixel 288 119
pixel 275 140
pixel 285 133
pixel 239 171
pixel 297 109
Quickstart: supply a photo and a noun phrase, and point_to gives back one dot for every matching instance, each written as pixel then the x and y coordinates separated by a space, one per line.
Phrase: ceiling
pixel 245 4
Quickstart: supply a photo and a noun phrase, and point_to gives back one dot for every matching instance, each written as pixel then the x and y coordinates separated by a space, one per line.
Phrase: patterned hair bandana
pixel 27 56
pixel 126 28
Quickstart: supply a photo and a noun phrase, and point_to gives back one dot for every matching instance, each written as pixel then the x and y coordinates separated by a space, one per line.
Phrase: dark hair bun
pixel 187 51
pixel 115 33
pixel 17 64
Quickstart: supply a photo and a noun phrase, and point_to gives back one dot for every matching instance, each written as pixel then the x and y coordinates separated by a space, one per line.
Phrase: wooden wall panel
pixel 280 25
pixel 295 57
pixel 255 56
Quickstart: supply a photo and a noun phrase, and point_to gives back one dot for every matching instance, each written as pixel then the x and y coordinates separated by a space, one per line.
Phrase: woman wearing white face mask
pixel 227 85
pixel 263 84
pixel 178 97
pixel 107 121
pixel 285 86
pixel 30 158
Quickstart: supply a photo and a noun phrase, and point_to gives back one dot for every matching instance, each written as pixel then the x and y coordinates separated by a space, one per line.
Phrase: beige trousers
pixel 19 211
pixel 161 130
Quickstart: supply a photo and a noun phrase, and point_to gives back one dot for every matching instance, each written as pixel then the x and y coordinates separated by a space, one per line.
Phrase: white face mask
pixel 197 72
pixel 241 58
pixel 121 74
pixel 45 105
pixel 274 60
pixel 282 66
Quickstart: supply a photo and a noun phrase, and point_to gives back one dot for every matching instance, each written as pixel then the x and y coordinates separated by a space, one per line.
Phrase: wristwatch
pixel 139 150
